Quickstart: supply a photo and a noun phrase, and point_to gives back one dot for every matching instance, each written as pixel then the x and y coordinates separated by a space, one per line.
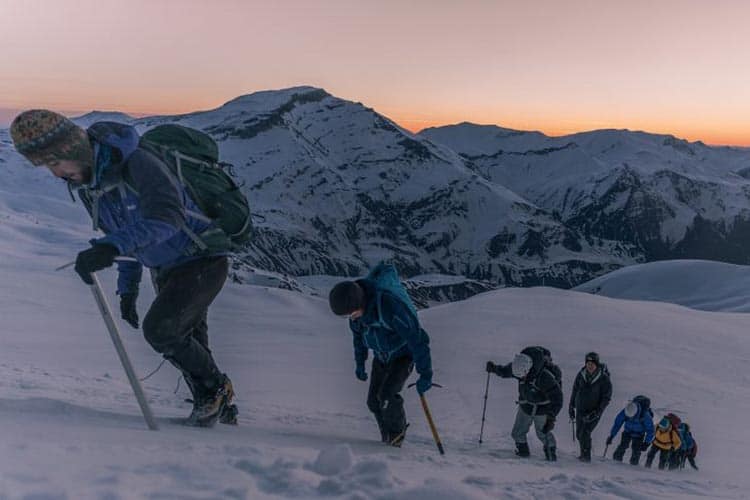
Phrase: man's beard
pixel 85 177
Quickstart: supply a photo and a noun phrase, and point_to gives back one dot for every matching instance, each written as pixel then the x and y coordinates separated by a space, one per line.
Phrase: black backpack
pixel 548 363
pixel 193 160
pixel 645 404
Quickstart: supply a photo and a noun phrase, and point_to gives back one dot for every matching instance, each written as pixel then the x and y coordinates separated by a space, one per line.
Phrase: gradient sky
pixel 559 66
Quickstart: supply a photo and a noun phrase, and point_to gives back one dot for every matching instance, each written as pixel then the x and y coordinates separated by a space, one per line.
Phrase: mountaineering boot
pixel 228 413
pixel 522 450
pixel 550 454
pixel 208 409
pixel 397 439
pixel 585 455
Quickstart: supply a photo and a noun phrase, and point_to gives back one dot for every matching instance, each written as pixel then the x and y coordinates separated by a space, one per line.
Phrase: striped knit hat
pixel 42 135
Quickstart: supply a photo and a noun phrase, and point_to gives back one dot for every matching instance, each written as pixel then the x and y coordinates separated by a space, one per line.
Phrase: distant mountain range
pixel 337 187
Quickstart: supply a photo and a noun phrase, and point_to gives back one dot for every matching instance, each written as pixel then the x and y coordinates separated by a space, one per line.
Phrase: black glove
pixel 99 256
pixel 361 373
pixel 645 446
pixel 549 424
pixel 609 440
pixel 491 367
pixel 572 413
pixel 128 312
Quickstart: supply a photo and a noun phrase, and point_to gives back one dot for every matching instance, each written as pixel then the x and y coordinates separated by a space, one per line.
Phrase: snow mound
pixel 333 460
pixel 698 284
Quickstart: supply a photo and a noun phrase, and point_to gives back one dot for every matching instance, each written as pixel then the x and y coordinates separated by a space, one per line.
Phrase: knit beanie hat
pixel 665 424
pixel 346 297
pixel 593 357
pixel 42 135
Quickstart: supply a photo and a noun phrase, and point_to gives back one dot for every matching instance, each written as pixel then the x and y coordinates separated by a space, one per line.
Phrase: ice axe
pixel 114 333
pixel 427 414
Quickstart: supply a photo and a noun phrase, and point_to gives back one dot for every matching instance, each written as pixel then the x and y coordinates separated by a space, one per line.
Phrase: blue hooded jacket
pixel 147 217
pixel 642 423
pixel 390 329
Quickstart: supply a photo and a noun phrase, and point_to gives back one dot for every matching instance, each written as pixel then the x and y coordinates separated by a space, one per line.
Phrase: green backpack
pixel 193 158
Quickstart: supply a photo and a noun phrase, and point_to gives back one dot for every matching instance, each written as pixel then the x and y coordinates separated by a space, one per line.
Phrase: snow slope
pixel 70 427
pixel 705 285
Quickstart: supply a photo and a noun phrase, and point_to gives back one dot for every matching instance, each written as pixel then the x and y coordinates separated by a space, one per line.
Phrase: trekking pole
pixel 606 447
pixel 114 334
pixel 484 410
pixel 427 414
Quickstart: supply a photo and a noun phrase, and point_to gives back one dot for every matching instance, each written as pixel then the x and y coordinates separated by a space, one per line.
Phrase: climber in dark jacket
pixel 383 319
pixel 147 216
pixel 540 398
pixel 592 391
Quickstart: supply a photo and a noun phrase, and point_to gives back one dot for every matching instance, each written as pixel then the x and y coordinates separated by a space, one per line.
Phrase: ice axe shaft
pixel 432 424
pixel 114 334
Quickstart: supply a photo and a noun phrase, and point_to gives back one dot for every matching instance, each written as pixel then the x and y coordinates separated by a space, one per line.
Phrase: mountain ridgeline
pixel 337 187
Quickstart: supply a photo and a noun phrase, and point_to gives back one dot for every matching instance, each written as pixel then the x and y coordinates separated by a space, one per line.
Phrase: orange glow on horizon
pixel 709 137
pixel 670 67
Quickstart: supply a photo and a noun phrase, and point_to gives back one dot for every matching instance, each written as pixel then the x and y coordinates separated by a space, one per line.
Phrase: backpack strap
pixel 94 195
pixel 179 183
pixel 554 379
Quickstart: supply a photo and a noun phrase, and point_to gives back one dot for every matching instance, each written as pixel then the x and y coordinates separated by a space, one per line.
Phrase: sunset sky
pixel 670 66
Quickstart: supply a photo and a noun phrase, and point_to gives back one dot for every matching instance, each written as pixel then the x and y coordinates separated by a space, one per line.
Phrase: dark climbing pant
pixel 635 441
pixel 175 325
pixel 383 398
pixel 584 428
pixel 664 456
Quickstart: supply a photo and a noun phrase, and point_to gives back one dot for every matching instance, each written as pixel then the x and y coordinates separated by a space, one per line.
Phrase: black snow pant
pixel 383 398
pixel 635 441
pixel 584 428
pixel 664 456
pixel 175 325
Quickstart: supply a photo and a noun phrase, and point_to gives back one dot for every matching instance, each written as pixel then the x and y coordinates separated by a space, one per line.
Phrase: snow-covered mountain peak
pixel 337 187
pixel 265 100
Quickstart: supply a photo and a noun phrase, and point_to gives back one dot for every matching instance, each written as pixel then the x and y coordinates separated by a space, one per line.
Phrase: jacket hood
pixel 370 303
pixel 122 138
pixel 113 144
pixel 537 356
